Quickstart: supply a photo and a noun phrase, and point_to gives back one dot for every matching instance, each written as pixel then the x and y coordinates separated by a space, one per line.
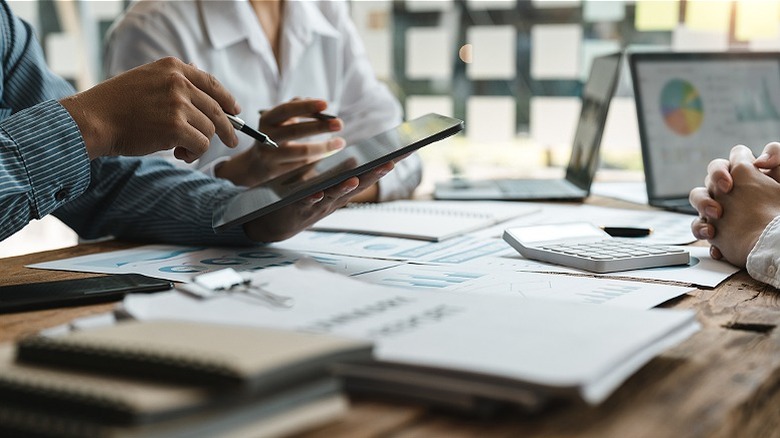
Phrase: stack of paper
pixel 424 220
pixel 460 345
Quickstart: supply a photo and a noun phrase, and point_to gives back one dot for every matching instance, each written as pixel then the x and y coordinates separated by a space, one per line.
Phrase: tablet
pixel 351 161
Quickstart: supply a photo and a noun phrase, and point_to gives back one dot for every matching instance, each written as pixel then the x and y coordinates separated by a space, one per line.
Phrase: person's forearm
pixel 147 199
pixel 43 165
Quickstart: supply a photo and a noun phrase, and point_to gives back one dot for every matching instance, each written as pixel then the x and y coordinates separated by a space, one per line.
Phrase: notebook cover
pixel 200 353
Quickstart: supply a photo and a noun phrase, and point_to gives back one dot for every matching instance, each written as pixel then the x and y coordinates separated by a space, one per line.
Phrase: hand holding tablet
pixel 325 176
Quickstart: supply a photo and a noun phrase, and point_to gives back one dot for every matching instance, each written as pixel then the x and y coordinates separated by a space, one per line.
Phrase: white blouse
pixel 764 260
pixel 322 56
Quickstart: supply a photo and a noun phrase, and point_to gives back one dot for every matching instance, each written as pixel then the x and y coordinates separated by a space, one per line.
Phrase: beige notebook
pixel 206 354
pixel 40 400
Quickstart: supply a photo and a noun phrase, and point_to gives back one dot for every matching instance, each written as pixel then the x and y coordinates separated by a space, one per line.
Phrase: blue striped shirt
pixel 44 166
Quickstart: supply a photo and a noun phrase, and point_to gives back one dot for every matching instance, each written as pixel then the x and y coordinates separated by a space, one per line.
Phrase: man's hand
pixel 162 105
pixel 282 123
pixel 288 221
pixel 739 201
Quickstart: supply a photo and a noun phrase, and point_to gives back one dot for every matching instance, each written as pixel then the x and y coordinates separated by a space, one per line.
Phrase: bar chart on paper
pixel 527 285
pixel 426 279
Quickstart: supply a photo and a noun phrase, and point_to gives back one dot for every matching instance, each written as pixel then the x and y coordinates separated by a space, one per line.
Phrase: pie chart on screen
pixel 681 107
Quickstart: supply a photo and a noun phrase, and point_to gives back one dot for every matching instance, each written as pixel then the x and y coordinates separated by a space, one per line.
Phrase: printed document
pixel 585 350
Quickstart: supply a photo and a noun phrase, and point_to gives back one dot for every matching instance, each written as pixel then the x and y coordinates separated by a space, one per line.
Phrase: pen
pixel 318 116
pixel 627 231
pixel 248 130
pixel 323 116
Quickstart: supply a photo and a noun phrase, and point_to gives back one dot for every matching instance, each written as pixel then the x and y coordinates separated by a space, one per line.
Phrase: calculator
pixel 584 246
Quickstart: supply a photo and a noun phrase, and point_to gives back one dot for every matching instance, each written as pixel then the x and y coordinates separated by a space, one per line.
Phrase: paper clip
pixel 225 281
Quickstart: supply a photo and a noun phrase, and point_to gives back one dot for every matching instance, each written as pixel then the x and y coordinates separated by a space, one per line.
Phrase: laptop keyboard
pixel 537 188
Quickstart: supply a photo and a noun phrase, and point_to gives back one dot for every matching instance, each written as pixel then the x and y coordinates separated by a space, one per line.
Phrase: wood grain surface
pixel 722 382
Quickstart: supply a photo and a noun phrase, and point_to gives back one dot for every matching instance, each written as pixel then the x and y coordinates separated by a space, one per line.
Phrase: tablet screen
pixel 351 161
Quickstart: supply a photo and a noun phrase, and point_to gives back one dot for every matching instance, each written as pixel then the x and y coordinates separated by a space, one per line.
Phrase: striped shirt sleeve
pixel 43 160
pixel 44 166
pixel 151 200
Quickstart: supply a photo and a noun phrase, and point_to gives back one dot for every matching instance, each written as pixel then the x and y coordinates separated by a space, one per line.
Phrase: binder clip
pixel 228 281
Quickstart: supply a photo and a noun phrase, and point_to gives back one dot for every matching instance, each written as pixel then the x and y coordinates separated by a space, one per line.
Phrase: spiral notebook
pixel 425 220
pixel 173 378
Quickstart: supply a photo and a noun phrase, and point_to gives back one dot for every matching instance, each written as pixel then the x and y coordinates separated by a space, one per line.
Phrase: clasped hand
pixel 741 196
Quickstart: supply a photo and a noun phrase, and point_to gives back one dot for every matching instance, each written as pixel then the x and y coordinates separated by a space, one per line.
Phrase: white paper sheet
pixel 181 263
pixel 452 251
pixel 584 290
pixel 702 270
pixel 588 349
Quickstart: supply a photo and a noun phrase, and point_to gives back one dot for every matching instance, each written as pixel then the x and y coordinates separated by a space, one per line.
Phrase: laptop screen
pixel 596 96
pixel 693 107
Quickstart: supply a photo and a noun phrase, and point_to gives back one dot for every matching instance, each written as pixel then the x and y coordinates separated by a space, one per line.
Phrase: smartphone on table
pixel 79 291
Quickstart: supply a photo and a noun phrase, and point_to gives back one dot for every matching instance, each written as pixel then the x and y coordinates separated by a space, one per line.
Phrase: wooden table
pixel 722 382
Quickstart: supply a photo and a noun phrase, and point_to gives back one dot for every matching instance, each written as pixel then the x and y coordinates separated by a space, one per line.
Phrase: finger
pixel 190 143
pixel 315 198
pixel 306 152
pixel 341 190
pixel 211 109
pixel 741 162
pixel 715 253
pixel 741 154
pixel 372 176
pixel 295 108
pixel 209 84
pixel 773 173
pixel 702 230
pixel 718 178
pixel 707 207
pixel 770 157
pixel 304 129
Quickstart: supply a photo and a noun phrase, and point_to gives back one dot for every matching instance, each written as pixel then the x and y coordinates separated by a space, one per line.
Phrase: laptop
pixel 583 162
pixel 693 108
